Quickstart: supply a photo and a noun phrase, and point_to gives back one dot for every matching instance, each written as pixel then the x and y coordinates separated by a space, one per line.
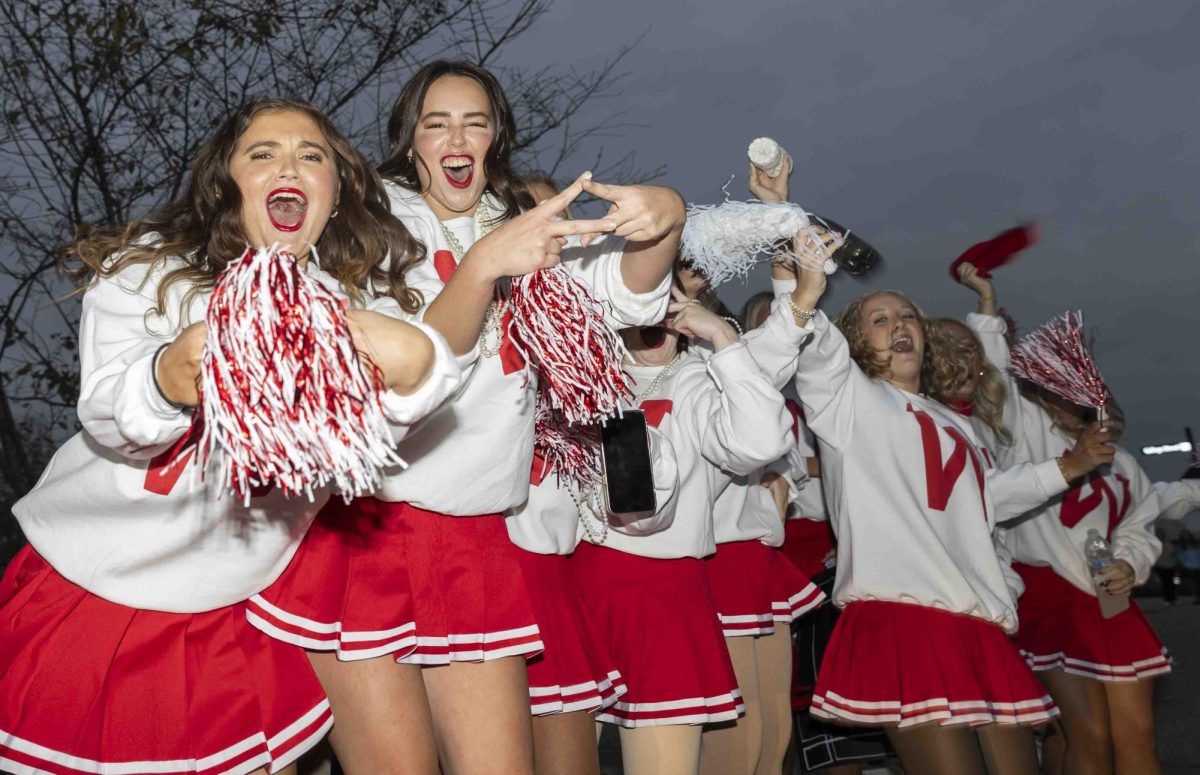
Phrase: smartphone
pixel 628 469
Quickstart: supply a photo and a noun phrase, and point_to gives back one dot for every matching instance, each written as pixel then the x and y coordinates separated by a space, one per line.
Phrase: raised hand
pixel 968 274
pixel 1093 449
pixel 177 371
pixel 534 239
pixel 810 258
pixel 689 318
pixel 769 189
pixel 640 213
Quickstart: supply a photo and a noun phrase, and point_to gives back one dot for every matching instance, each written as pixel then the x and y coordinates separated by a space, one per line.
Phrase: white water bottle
pixel 1099 556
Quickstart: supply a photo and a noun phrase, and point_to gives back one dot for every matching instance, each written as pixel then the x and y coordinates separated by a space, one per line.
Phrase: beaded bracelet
pixel 803 314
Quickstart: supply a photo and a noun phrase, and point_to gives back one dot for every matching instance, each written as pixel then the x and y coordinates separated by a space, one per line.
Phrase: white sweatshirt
pixel 473 456
pixel 910 499
pixel 723 419
pixel 550 522
pixel 1117 500
pixel 807 499
pixel 746 511
pixel 110 515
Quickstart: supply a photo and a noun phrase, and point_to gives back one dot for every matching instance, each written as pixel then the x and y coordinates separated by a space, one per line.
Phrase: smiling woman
pixel 123 630
pixel 433 619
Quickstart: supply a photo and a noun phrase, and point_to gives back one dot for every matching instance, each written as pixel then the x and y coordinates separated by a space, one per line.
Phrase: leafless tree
pixel 103 102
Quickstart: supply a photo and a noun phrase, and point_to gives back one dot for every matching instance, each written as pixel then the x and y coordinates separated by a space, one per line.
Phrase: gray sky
pixel 928 126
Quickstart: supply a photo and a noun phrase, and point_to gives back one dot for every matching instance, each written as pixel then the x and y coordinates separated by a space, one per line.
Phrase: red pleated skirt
pixel 89 686
pixel 658 621
pixel 754 586
pixel 1061 627
pixel 806 542
pixel 374 578
pixel 895 664
pixel 575 671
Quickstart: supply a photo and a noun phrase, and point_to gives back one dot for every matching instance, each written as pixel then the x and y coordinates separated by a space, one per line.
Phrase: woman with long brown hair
pixel 922 645
pixel 123 629
pixel 429 578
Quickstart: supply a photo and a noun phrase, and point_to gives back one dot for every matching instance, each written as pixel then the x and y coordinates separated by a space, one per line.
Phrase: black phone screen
pixel 628 470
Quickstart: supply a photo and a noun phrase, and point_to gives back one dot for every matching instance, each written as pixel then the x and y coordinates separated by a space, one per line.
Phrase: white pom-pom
pixel 727 240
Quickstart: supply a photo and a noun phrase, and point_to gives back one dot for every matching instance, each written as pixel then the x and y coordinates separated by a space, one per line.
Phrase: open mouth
pixel 286 208
pixel 459 170
pixel 654 336
pixel 903 344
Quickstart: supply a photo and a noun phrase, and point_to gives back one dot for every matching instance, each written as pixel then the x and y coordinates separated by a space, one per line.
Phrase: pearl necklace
pixel 656 383
pixel 490 336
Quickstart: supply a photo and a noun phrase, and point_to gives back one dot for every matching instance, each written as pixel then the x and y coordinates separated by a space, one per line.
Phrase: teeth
pixel 457 163
pixel 285 196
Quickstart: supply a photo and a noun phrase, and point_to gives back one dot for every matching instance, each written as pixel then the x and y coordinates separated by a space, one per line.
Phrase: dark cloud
pixel 929 126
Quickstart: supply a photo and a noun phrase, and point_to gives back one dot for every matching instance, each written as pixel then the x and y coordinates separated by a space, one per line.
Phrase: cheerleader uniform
pixel 123 633
pixel 575 672
pixel 928 599
pixel 649 595
pixel 753 583
pixel 424 571
pixel 1061 624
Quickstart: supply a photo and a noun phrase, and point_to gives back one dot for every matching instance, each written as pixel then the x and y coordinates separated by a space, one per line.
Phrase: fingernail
pixel 610 225
pixel 587 176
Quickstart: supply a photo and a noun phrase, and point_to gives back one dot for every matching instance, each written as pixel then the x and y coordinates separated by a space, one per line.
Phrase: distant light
pixel 1183 446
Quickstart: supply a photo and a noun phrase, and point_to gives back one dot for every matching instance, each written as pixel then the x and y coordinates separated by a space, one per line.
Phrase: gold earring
pixel 335 212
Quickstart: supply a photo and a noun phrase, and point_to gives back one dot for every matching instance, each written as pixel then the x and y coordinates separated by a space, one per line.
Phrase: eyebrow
pixel 446 114
pixel 275 144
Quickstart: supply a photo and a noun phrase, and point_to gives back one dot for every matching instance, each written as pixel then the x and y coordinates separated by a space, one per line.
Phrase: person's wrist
pixel 158 385
pixel 478 269
pixel 1066 468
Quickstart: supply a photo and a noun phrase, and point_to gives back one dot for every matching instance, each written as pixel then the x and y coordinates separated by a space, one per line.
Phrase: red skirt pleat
pixel 375 578
pixel 90 686
pixel 657 620
pixel 900 664
pixel 575 672
pixel 754 586
pixel 1061 627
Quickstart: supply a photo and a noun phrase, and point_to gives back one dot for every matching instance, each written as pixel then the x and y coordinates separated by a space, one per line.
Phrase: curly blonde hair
pixel 940 369
pixel 987 400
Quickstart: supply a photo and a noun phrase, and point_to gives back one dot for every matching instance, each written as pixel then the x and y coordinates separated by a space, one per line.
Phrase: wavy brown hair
pixel 987 400
pixel 938 367
pixel 364 246
pixel 401 165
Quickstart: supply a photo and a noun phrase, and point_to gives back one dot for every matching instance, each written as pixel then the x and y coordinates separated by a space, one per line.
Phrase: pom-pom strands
pixel 727 240
pixel 561 329
pixel 1056 356
pixel 285 398
pixel 571 452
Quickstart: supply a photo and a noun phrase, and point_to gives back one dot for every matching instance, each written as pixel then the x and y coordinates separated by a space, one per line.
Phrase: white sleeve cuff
pixel 731 364
pixel 443 380
pixel 986 324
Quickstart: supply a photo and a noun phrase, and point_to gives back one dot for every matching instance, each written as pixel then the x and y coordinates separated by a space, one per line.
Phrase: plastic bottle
pixel 1097 551
pixel 1099 556
pixel 767 155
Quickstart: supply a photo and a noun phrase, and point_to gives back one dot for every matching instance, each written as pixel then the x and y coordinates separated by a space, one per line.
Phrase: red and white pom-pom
pixel 1056 356
pixel 285 398
pixel 571 452
pixel 561 329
